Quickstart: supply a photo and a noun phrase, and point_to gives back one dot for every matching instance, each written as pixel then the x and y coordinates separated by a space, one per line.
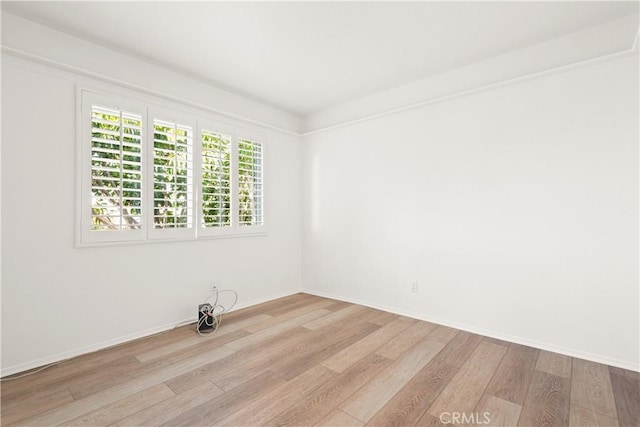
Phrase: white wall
pixel 59 300
pixel 515 209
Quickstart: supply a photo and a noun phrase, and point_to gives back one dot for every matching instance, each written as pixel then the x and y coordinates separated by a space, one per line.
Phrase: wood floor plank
pixel 547 402
pixel 325 399
pixel 220 407
pixel 82 365
pixel 337 305
pixel 442 334
pixel 411 403
pixel 512 378
pixel 58 378
pixel 258 362
pixel 493 411
pixel 19 388
pixel 101 358
pixel 461 346
pixel 304 300
pixel 280 399
pixel 122 408
pixel 204 344
pixel 367 401
pixel 265 307
pixel 100 378
pixel 581 417
pixel 221 336
pixel 634 375
pixel 626 391
pixel 554 363
pixel 233 362
pixel 321 345
pixel 208 343
pixel 334 316
pixel 160 351
pixel 272 305
pixel 381 318
pixel 496 341
pixel 38 402
pixel 294 352
pixel 337 418
pixel 396 346
pixel 172 407
pixel 464 391
pixel 429 420
pixel 591 388
pixel 301 351
pixel 76 408
pixel 342 360
pixel 287 315
pixel 265 334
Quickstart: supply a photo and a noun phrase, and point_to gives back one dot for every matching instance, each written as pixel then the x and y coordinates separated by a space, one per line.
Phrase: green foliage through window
pixel 250 182
pixel 216 179
pixel 172 175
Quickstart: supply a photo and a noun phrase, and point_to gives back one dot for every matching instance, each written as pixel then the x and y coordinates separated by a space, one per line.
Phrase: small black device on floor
pixel 206 320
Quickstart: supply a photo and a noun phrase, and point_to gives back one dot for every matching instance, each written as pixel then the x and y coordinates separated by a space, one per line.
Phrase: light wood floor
pixel 306 360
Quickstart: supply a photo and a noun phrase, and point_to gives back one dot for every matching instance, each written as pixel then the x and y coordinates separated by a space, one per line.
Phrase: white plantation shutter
pixel 172 175
pixel 215 189
pixel 231 180
pixel 152 173
pixel 116 170
pixel 112 183
pixel 250 183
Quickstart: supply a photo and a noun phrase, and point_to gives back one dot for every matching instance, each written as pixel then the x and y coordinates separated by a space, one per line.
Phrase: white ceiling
pixel 305 57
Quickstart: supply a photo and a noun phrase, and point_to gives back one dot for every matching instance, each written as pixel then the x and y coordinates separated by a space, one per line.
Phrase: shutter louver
pixel 172 175
pixel 216 179
pixel 116 170
pixel 250 181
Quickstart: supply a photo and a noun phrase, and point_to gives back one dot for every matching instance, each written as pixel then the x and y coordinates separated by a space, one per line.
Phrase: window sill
pixel 80 244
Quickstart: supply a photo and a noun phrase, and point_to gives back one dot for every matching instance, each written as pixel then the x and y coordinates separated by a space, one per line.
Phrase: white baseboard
pixel 487 333
pixel 59 357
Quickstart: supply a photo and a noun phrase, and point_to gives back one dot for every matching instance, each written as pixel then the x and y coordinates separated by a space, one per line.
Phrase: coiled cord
pixel 212 318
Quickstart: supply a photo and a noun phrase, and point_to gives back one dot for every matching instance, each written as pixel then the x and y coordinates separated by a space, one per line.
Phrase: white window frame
pixel 150 111
pixel 86 235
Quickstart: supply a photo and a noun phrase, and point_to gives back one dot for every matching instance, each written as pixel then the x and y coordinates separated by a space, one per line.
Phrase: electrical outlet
pixel 213 287
pixel 414 287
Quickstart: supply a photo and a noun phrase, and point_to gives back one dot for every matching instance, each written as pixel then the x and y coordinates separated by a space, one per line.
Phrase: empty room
pixel 320 213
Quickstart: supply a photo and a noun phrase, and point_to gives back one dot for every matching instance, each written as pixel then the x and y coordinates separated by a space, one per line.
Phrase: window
pixel 216 179
pixel 250 182
pixel 153 174
pixel 171 175
pixel 116 170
